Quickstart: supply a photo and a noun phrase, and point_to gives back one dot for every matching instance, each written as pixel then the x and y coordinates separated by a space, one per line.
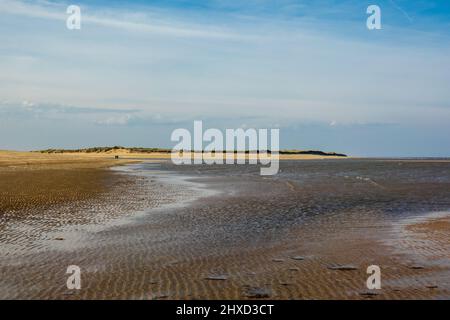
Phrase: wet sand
pixel 151 232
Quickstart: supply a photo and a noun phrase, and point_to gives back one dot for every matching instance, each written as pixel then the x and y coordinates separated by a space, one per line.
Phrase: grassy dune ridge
pixel 131 150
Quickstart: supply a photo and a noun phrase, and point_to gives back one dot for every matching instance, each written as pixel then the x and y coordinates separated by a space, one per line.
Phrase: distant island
pixel 168 151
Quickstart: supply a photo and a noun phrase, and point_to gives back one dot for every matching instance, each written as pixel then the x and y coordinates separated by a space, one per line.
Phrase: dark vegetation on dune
pixel 106 149
pixel 160 150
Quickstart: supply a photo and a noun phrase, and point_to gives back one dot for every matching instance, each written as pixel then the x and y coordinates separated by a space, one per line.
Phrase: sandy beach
pixel 151 230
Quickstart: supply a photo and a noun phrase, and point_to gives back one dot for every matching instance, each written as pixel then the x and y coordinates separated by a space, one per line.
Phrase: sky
pixel 137 70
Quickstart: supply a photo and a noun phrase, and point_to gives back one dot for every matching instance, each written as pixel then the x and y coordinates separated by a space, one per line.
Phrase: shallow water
pixel 393 187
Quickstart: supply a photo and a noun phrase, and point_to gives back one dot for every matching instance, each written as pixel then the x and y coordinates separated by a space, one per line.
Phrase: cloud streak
pixel 121 20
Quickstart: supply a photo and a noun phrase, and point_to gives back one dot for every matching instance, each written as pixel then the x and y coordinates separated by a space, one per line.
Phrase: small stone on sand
pixel 346 267
pixel 298 258
pixel 286 283
pixel 256 292
pixel 417 267
pixel 217 277
pixel 368 294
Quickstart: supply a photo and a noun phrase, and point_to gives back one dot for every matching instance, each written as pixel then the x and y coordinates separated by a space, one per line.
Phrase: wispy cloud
pixel 119 19
pixel 401 10
pixel 29 109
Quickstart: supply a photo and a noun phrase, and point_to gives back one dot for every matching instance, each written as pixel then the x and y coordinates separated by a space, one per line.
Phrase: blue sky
pixel 137 70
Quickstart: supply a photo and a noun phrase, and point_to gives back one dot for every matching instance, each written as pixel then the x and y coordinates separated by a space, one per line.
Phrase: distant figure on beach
pixel 116 157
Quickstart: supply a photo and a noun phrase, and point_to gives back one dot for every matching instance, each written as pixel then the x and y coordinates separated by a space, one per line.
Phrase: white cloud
pixel 120 120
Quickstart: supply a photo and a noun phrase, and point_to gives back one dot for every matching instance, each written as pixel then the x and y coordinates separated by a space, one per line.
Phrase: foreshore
pixel 149 232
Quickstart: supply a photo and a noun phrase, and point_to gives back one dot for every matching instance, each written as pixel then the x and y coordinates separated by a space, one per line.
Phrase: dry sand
pixel 49 218
pixel 30 180
pixel 11 160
